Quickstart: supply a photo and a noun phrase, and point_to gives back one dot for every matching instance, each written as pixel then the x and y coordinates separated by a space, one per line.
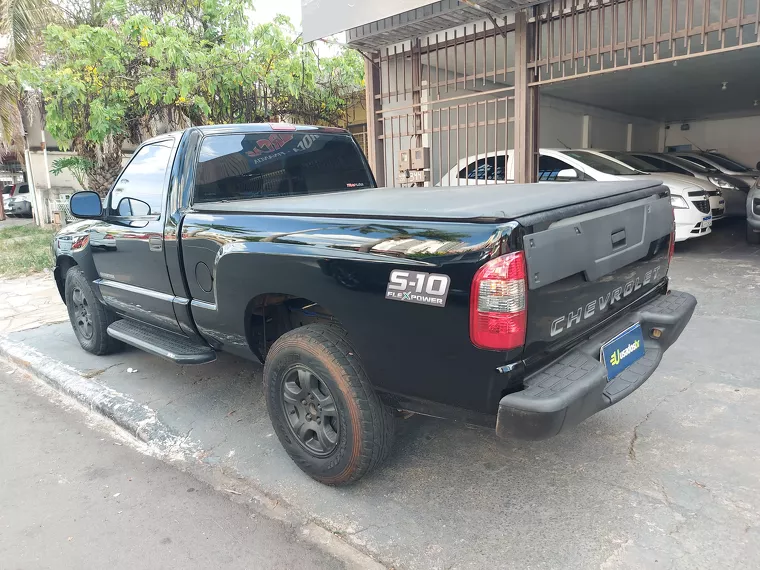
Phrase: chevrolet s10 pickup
pixel 521 308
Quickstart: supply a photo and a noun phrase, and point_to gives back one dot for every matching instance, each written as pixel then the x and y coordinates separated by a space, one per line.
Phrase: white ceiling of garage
pixel 664 92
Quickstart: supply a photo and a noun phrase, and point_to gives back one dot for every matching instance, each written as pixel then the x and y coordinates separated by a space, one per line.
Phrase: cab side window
pixel 551 169
pixel 139 190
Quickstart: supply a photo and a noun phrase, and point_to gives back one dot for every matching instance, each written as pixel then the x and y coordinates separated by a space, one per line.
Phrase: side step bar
pixel 174 347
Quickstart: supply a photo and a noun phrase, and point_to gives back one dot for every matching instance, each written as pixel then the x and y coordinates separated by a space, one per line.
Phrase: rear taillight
pixel 672 249
pixel 498 303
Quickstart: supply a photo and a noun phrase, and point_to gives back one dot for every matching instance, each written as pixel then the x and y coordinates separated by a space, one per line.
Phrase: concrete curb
pixel 141 421
pixel 137 419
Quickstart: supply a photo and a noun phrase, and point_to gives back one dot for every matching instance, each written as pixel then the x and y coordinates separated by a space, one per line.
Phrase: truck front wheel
pixel 88 316
pixel 753 237
pixel 323 407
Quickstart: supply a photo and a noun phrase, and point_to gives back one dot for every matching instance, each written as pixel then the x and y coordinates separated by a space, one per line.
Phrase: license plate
pixel 623 350
pixel 707 221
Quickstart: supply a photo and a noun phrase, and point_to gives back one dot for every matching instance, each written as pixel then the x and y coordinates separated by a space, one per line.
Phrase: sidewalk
pixel 30 302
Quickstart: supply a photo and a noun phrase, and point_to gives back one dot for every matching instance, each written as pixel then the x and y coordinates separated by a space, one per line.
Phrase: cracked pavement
pixel 668 478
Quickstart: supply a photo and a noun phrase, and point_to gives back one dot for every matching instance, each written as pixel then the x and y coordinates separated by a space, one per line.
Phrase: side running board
pixel 174 347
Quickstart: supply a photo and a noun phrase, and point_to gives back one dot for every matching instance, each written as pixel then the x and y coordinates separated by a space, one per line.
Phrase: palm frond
pixel 11 124
pixel 21 23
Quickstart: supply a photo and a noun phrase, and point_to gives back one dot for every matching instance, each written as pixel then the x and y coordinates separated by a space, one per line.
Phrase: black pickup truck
pixel 522 308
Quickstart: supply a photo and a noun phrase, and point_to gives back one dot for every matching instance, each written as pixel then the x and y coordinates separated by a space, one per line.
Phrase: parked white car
pixel 691 203
pixel 19 202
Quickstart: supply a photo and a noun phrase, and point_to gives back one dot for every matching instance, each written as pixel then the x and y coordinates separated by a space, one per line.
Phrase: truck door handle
pixel 156 243
pixel 618 238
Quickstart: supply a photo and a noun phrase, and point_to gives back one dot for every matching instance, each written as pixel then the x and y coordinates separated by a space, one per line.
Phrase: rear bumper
pixel 19 208
pixel 575 387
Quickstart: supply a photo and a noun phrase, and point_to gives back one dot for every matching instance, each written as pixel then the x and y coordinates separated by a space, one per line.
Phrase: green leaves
pixel 78 166
pixel 207 64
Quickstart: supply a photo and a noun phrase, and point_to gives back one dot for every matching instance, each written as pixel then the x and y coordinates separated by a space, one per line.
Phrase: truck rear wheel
pixel 322 406
pixel 88 316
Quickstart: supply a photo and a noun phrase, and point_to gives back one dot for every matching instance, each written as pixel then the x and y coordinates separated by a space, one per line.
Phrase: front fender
pixel 67 256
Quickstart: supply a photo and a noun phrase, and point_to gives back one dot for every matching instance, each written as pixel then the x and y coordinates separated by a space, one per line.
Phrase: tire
pixel 753 237
pixel 316 364
pixel 89 318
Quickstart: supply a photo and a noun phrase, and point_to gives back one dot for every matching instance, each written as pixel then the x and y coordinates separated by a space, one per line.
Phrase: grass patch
pixel 25 249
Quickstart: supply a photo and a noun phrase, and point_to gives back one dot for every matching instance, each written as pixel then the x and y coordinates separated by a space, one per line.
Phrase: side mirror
pixel 130 207
pixel 567 174
pixel 86 205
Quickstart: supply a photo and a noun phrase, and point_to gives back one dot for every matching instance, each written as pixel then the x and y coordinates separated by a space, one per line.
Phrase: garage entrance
pixel 670 74
pixel 478 87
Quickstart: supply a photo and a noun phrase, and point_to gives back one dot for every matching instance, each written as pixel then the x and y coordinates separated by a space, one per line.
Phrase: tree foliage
pixel 79 167
pixel 130 70
pixel 21 24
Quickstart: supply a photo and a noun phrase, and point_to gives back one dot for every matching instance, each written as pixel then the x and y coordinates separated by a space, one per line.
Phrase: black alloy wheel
pixel 323 407
pixel 89 317
pixel 310 410
pixel 83 314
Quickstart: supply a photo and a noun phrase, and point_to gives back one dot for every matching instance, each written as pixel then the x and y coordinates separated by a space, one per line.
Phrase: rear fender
pixel 416 350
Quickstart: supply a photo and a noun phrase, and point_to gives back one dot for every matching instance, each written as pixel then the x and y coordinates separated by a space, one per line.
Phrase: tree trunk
pixel 104 175
pixel 107 163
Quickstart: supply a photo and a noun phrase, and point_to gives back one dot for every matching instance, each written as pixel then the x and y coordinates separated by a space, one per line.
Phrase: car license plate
pixel 707 221
pixel 623 350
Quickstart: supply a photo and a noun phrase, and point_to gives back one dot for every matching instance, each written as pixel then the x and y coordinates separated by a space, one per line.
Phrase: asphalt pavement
pixel 72 496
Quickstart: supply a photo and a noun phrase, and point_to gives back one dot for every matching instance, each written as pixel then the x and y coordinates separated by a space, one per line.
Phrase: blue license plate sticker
pixel 623 350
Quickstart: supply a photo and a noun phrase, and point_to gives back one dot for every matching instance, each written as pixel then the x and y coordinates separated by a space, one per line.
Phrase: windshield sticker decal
pixel 272 143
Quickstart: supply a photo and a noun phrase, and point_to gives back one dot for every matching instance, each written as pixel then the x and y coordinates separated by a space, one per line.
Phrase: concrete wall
pixel 735 137
pixel 65 180
pixel 561 126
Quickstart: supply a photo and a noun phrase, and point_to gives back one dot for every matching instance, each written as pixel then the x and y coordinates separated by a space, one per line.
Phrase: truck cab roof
pixel 249 128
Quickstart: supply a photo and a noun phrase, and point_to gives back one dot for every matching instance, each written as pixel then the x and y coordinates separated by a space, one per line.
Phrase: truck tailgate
pixel 586 267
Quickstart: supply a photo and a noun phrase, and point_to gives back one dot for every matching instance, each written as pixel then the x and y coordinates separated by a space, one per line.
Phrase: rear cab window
pixel 727 163
pixel 278 164
pixel 697 161
pixel 663 165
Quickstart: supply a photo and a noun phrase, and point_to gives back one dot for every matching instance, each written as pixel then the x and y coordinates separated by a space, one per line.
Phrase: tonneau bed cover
pixel 492 202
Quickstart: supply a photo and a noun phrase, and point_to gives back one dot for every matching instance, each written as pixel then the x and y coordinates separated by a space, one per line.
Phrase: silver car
pixel 716 161
pixel 734 189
